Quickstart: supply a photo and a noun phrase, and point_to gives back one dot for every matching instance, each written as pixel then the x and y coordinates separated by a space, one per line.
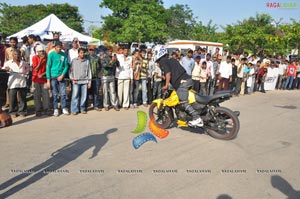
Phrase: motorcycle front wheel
pixel 226 126
pixel 160 115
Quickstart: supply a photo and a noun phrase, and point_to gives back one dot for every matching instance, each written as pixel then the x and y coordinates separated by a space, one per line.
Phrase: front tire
pixel 160 115
pixel 227 124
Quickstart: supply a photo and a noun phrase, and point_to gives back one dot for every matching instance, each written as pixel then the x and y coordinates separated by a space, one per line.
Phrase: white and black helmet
pixel 158 52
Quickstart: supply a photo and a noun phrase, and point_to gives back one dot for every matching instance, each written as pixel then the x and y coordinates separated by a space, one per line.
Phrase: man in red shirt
pixel 291 75
pixel 261 75
pixel 41 94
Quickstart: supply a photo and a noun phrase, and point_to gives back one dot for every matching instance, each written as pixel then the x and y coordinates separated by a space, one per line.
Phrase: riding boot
pixel 190 110
pixel 197 121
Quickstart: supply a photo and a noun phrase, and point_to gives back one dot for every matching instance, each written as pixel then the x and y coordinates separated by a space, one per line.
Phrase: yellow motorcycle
pixel 219 122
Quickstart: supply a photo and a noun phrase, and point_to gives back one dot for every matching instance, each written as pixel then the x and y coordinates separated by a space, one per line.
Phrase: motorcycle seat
pixel 207 99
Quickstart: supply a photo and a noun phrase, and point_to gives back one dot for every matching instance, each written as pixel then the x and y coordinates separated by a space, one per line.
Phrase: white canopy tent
pixel 50 24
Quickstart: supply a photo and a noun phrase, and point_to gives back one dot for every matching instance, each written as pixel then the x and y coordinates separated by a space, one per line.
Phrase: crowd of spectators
pixel 83 76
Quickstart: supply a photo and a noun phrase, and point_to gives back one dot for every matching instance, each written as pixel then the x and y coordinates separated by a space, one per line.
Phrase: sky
pixel 221 12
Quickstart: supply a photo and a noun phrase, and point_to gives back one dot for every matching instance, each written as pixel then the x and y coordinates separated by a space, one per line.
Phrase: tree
pixel 180 22
pixel 16 18
pixel 250 34
pixel 204 33
pixel 290 35
pixel 135 20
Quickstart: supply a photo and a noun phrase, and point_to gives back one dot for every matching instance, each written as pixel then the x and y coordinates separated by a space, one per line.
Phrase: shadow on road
pixel 58 160
pixel 286 107
pixel 224 196
pixel 283 186
pixel 27 119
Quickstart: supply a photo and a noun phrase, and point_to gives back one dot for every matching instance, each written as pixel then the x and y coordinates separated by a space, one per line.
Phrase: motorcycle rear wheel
pixel 161 116
pixel 228 124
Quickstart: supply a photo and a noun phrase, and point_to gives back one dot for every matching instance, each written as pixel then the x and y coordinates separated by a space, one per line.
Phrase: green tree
pixel 135 20
pixel 204 33
pixel 250 34
pixel 16 18
pixel 290 35
pixel 181 22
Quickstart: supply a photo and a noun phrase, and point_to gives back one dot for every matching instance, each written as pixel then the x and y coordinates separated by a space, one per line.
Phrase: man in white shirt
pixel 281 74
pixel 73 52
pixel 18 70
pixel 225 74
pixel 196 74
pixel 209 65
pixel 124 76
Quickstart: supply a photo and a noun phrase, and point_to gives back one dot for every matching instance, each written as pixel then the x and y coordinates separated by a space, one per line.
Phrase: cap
pixel 75 39
pixel 92 47
pixel 39 48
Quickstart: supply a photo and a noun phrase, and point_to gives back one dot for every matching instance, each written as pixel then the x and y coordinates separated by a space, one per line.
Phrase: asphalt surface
pixel 91 156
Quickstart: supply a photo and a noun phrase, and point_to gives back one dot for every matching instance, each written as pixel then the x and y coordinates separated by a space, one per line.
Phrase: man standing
pixel 212 75
pixel 73 52
pixel 196 75
pixel 96 77
pixel 9 55
pixel 9 52
pixel 210 70
pixel 188 62
pixel 240 76
pixel 25 49
pixel 142 80
pixel 108 67
pixel 151 67
pixel 281 74
pixel 32 43
pixel 203 78
pixel 225 74
pixel 291 75
pixel 157 84
pixel 136 70
pixel 81 76
pixel 124 76
pixel 17 83
pixel 57 68
pixel 41 94
pixel 234 75
pixel 261 76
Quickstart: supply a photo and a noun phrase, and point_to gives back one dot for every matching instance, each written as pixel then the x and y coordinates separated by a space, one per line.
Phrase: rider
pixel 179 79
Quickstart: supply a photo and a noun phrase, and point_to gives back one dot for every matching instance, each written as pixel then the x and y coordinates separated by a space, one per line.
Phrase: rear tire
pixel 230 128
pixel 161 117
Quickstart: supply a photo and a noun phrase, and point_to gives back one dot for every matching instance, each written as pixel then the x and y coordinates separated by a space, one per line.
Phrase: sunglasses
pixel 91 49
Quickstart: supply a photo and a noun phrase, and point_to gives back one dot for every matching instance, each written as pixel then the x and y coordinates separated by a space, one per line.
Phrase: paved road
pixel 91 156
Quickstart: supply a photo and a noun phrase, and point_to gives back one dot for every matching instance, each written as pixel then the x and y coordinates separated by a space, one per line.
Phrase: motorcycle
pixel 219 122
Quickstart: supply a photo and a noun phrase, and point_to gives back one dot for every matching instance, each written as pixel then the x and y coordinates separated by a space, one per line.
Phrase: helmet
pixel 158 52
